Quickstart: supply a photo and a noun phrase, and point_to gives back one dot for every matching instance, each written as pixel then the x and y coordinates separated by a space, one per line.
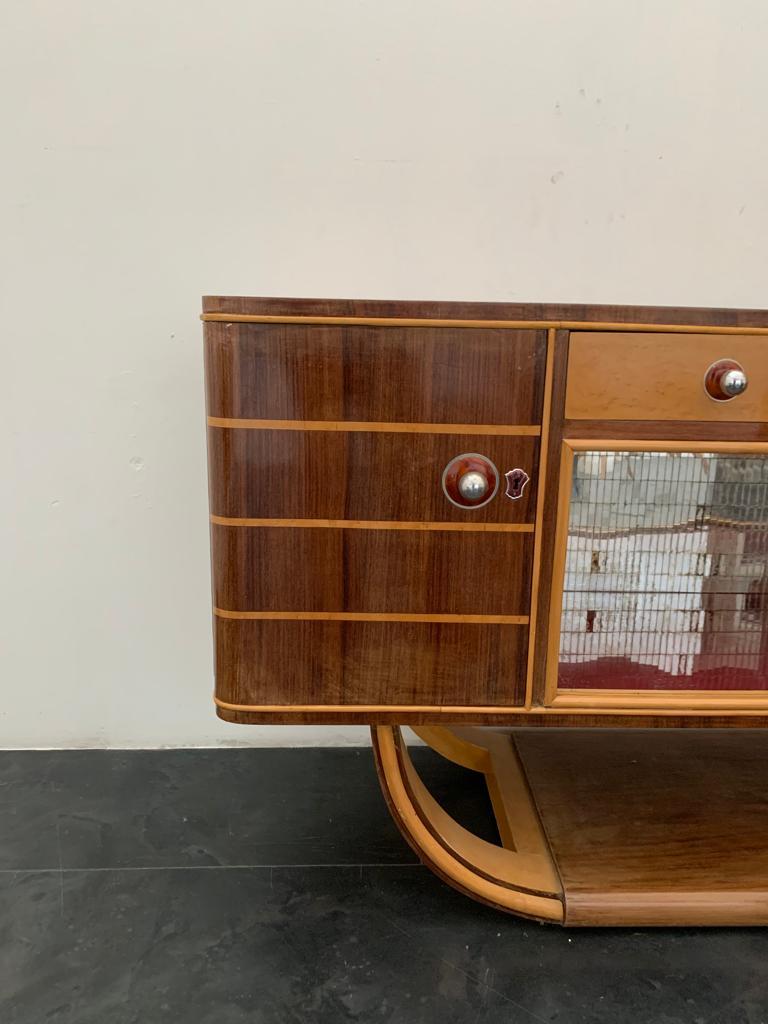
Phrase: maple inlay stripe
pixel 374 524
pixel 510 325
pixel 499 620
pixel 363 426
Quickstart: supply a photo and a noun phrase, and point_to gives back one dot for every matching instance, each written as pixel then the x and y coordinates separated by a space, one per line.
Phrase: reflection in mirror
pixel 665 578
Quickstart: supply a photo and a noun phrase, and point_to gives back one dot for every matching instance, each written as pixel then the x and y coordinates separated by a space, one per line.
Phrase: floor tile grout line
pixel 199 867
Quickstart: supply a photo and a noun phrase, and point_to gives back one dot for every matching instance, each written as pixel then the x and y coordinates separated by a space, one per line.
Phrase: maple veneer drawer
pixel 660 376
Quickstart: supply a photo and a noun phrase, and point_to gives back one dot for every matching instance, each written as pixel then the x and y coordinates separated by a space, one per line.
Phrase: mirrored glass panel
pixel 665 580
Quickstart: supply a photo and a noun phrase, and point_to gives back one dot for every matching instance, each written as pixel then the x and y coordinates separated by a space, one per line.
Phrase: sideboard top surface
pixel 545 312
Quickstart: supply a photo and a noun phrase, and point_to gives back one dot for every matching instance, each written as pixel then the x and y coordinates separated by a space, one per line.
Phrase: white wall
pixel 153 151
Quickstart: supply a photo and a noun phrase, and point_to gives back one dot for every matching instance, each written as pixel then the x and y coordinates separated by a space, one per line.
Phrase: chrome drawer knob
pixel 725 380
pixel 734 382
pixel 473 486
pixel 470 481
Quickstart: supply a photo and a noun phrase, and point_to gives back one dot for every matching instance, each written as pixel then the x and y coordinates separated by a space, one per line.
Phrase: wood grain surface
pixel 533 311
pixel 666 381
pixel 283 662
pixel 471 865
pixel 299 372
pixel 327 501
pixel 473 714
pixel 653 827
pixel 546 524
pixel 371 570
pixel 665 430
pixel 318 475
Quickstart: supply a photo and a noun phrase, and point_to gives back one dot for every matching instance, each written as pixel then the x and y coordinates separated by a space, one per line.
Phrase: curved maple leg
pixel 673 825
pixel 518 876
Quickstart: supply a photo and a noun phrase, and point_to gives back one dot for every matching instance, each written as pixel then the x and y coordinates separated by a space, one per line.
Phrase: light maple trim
pixel 650 700
pixel 558 571
pixel 375 524
pixel 516 863
pixel 456 867
pixel 496 620
pixel 540 507
pixel 620 701
pixel 370 426
pixel 510 325
pixel 454 747
pixel 484 709
pixel 495 755
pixel 647 445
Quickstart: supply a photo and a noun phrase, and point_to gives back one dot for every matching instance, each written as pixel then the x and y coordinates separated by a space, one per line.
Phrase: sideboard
pixel 456 516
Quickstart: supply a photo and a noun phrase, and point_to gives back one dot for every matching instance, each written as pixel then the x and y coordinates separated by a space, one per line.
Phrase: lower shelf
pixel 599 827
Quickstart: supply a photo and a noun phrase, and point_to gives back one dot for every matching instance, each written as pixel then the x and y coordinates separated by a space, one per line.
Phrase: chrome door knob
pixel 470 481
pixel 473 486
pixel 725 380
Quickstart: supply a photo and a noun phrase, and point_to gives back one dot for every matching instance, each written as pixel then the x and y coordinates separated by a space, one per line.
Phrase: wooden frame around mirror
pixel 683 700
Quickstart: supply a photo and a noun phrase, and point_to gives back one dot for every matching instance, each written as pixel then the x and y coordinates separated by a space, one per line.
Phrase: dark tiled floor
pixel 270 886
